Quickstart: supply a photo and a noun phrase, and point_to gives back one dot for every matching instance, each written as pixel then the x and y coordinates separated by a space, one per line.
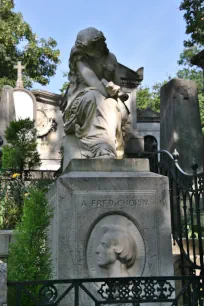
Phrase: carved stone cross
pixel 19 82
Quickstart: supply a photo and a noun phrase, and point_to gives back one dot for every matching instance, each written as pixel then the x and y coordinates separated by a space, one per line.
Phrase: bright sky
pixel 148 33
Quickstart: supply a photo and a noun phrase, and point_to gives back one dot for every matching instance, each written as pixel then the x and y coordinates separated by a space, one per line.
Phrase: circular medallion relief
pixel 115 248
pixel 43 124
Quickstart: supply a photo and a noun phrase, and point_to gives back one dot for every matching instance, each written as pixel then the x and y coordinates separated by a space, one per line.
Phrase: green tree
pixel 29 255
pixel 19 43
pixel 21 151
pixel 150 97
pixel 66 83
pixel 194 17
pixel 12 193
pixel 19 154
pixel 188 71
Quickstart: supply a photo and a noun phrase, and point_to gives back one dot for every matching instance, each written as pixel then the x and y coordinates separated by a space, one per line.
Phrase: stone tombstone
pixel 50 130
pixel 3 283
pixel 7 109
pixel 180 126
pixel 25 104
pixel 111 218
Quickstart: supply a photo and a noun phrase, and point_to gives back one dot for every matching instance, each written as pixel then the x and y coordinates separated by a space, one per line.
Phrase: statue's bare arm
pixel 90 77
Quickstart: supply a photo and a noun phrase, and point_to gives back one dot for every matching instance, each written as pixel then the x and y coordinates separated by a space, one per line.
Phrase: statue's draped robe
pixel 97 124
pixel 93 124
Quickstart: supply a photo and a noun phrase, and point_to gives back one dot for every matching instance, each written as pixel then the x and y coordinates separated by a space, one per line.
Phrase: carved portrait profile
pixel 115 248
pixel 116 251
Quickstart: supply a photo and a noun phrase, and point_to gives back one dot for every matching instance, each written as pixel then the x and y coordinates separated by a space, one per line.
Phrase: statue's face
pixel 105 252
pixel 95 48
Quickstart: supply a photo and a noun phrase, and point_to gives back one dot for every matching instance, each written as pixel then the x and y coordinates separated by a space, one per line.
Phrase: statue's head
pixel 116 244
pixel 91 41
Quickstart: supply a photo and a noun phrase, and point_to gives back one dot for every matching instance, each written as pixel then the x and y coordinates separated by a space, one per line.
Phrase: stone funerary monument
pixel 111 214
pixel 38 105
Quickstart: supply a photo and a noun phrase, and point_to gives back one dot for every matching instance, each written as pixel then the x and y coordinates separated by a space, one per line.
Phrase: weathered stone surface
pixel 88 203
pixel 5 239
pixel 148 125
pixel 104 165
pixel 134 144
pixel 96 114
pixel 7 109
pixel 3 283
pixel 42 106
pixel 180 122
pixel 20 68
pixel 50 130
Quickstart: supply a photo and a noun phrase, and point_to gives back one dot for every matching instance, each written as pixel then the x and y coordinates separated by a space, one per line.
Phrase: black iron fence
pixel 187 220
pixel 132 291
pixel 187 208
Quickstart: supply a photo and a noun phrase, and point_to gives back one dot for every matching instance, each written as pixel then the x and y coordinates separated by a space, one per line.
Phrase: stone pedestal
pixel 107 207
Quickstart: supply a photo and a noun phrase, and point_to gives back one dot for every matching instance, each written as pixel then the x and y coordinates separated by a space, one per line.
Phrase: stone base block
pixel 112 223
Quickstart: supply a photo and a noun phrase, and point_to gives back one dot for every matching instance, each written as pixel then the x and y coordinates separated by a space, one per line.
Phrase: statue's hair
pixel 122 242
pixel 87 36
pixel 84 39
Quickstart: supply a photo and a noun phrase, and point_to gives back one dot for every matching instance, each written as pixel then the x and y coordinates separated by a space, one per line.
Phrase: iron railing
pixel 131 290
pixel 187 207
pixel 31 175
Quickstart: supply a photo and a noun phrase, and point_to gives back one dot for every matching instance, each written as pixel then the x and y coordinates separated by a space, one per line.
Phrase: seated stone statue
pixel 95 115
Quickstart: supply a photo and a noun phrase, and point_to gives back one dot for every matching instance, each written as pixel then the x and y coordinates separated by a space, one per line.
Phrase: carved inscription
pixel 117 201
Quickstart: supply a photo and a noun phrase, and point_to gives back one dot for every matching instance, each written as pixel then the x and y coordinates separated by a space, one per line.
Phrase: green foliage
pixel 187 54
pixel 21 151
pixel 201 105
pixel 147 97
pixel 19 43
pixel 66 84
pixel 12 194
pixel 143 97
pixel 19 154
pixel 29 255
pixel 194 17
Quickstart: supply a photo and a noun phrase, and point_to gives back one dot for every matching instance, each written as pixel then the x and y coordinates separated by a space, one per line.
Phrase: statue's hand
pixel 112 89
pixel 115 90
pixel 122 96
